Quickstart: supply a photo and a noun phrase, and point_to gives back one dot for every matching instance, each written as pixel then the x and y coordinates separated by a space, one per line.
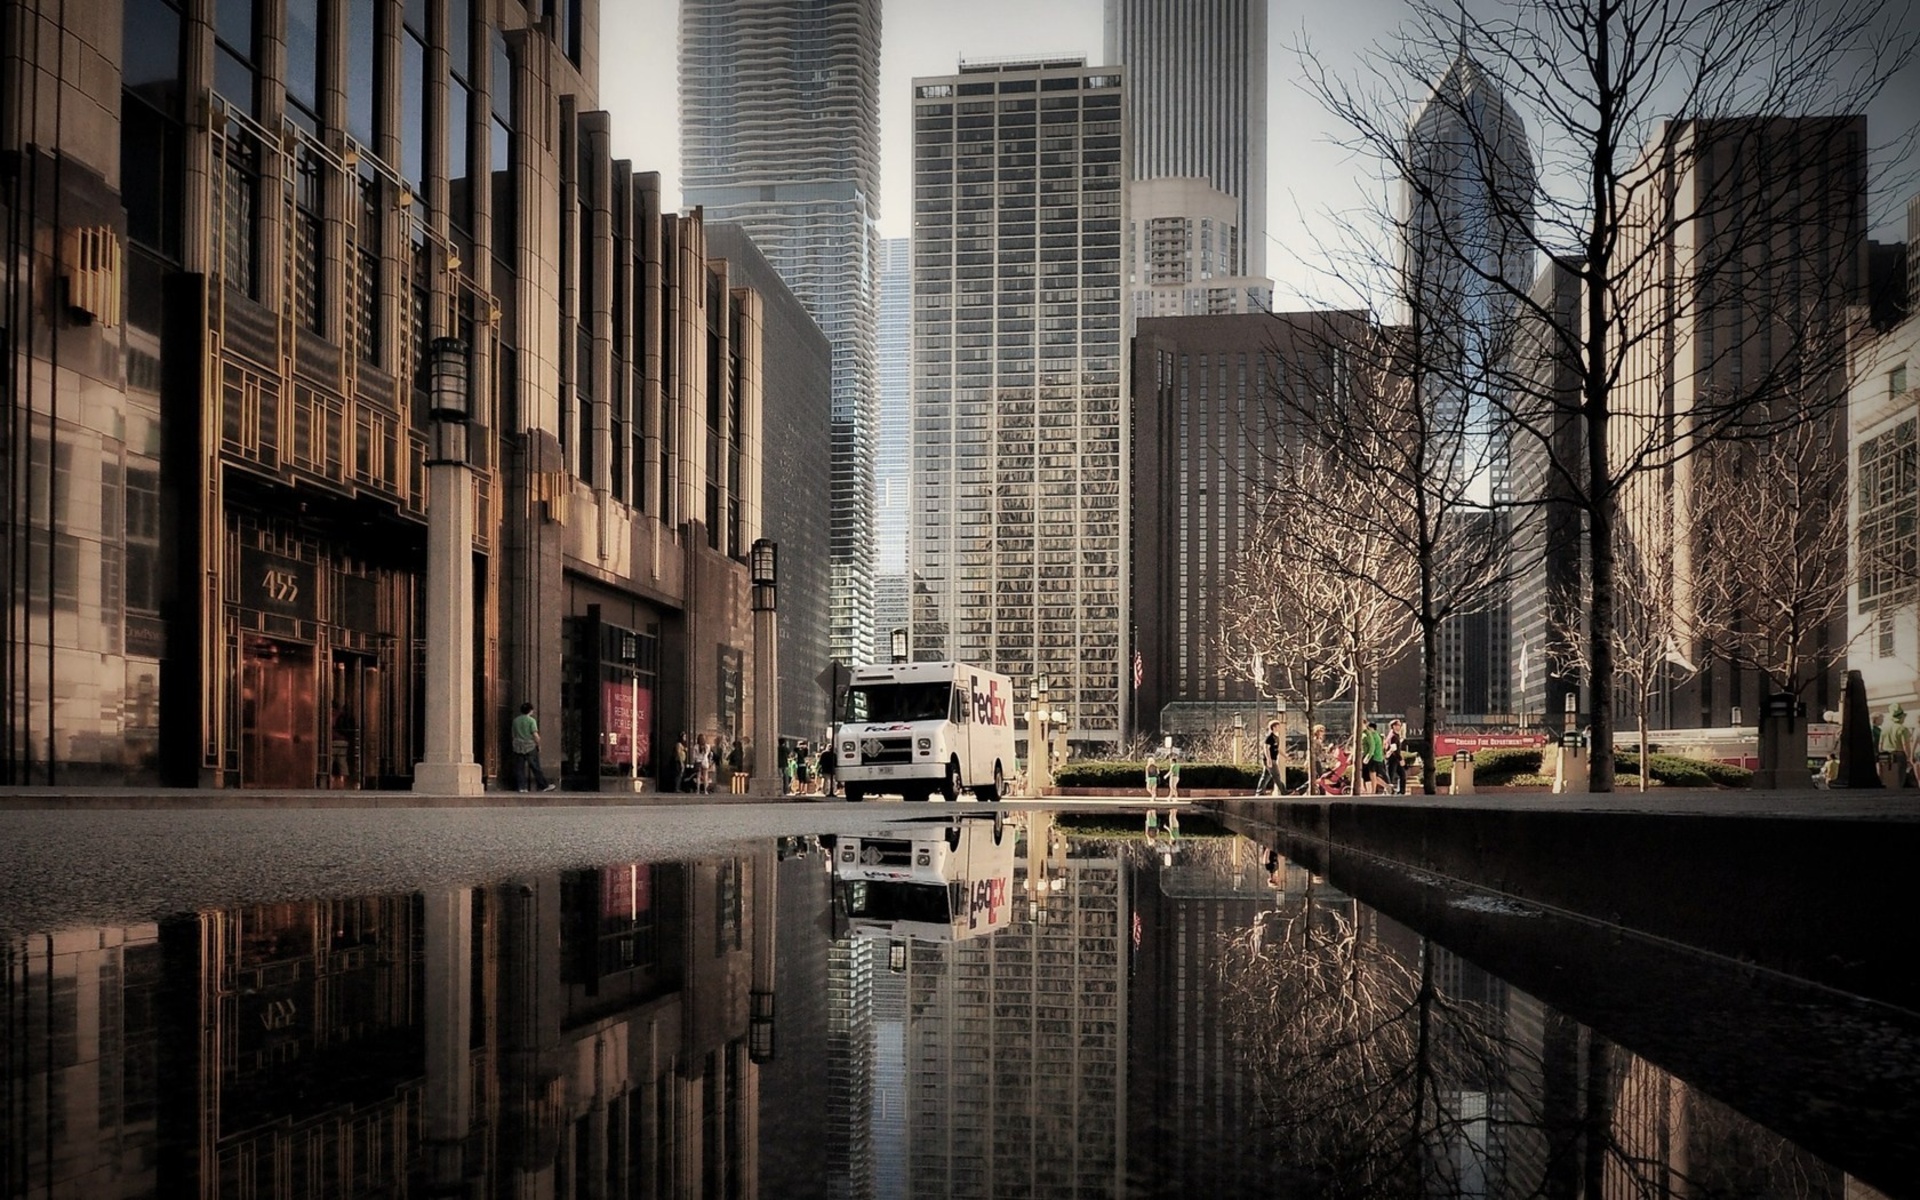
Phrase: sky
pixel 1309 177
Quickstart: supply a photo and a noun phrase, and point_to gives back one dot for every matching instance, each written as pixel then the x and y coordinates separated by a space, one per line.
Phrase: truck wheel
pixel 855 793
pixel 987 795
pixel 950 786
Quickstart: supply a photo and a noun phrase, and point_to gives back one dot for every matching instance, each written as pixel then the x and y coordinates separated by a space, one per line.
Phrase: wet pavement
pixel 1296 998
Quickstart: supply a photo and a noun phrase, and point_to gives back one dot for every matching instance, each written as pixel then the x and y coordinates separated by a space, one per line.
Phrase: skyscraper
pixel 1197 88
pixel 1019 548
pixel 892 458
pixel 780 134
pixel 1467 253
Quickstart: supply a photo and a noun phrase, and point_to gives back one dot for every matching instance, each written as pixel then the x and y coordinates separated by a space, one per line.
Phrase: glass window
pixel 460 36
pixel 303 56
pixel 460 204
pixel 360 82
pixel 152 65
pixel 413 108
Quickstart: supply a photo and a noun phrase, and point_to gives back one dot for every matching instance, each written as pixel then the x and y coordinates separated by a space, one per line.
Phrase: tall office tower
pixel 1197 89
pixel 893 456
pixel 1467 215
pixel 1215 412
pixel 1773 212
pixel 1543 600
pixel 780 133
pixel 1019 550
pixel 1182 239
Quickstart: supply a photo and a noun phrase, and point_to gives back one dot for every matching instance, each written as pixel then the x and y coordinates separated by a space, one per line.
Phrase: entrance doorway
pixel 356 698
pixel 278 743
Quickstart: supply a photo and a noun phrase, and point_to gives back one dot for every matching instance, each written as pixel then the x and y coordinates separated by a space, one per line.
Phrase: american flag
pixel 1139 669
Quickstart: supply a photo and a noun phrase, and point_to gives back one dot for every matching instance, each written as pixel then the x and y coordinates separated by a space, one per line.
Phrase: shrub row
pixel 1491 768
pixel 1132 776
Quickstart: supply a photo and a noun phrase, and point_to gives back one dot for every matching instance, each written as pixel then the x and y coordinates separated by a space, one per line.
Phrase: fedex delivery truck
pixel 916 729
pixel 931 882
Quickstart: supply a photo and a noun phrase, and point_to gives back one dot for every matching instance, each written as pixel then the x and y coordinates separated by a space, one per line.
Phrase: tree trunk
pixel 1429 700
pixel 1595 367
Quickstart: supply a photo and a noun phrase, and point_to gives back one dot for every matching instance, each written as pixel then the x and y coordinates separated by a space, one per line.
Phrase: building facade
pixel 1549 547
pixel 1180 238
pixel 1883 518
pixel 797 379
pixel 1019 548
pixel 1197 89
pixel 223 272
pixel 1215 415
pixel 892 476
pixel 1749 327
pixel 780 134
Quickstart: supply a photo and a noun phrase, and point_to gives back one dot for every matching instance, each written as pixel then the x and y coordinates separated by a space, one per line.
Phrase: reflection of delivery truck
pixel 936 883
pixel 920 728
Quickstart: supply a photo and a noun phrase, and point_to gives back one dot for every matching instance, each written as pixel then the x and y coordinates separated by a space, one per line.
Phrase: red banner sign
pixel 623 725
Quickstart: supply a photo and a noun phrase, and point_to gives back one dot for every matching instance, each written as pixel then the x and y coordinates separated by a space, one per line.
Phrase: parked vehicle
pixel 926 728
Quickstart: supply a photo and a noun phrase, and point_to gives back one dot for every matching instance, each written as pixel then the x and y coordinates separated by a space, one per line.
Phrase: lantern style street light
pixel 447 767
pixel 899 645
pixel 630 658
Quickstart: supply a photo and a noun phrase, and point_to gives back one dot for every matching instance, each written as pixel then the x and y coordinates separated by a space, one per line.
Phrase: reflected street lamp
pixel 447 767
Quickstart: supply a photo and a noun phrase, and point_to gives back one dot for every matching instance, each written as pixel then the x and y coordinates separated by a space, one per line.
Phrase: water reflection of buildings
pixel 995 1065
pixel 592 1033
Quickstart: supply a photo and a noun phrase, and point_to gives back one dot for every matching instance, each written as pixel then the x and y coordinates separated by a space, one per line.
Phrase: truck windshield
pixel 890 900
pixel 898 701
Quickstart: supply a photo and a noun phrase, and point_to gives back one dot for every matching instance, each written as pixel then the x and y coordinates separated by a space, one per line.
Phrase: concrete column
pixel 447 1100
pixel 448 768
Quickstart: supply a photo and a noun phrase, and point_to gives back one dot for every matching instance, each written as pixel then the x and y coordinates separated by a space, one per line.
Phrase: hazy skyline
pixel 1308 176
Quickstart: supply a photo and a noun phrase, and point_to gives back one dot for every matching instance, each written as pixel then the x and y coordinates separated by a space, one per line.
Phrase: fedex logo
pixel 989 706
pixel 988 899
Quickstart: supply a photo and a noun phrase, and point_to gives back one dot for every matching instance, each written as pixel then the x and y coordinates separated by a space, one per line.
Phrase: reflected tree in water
pixel 1373 1079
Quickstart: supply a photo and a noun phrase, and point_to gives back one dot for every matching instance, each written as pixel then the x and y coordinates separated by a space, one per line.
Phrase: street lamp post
pixel 1239 731
pixel 447 767
pixel 1039 774
pixel 763 569
pixel 630 655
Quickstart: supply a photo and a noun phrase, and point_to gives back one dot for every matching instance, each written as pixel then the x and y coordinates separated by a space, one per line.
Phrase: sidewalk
pixel 30 798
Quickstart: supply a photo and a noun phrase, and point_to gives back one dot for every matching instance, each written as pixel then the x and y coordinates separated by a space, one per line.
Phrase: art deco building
pixel 780 134
pixel 892 461
pixel 235 229
pixel 1197 89
pixel 1019 544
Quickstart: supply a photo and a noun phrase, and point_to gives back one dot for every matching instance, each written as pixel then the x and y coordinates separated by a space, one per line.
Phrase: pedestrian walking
pixel 1271 773
pixel 525 743
pixel 1173 774
pixel 828 769
pixel 1373 759
pixel 1153 778
pixel 682 765
pixel 1395 749
pixel 1898 742
pixel 703 766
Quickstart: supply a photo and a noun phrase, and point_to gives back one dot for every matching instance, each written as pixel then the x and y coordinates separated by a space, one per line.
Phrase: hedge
pixel 1199 776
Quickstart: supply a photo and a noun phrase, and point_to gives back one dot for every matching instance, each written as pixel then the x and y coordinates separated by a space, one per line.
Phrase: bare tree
pixel 1646 639
pixel 1712 239
pixel 1405 423
pixel 1317 597
pixel 1774 580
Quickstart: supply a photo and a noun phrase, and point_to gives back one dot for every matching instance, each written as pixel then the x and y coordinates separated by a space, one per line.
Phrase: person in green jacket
pixel 1373 760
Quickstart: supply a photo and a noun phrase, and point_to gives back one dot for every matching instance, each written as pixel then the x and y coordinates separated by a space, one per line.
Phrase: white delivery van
pixel 931 882
pixel 914 729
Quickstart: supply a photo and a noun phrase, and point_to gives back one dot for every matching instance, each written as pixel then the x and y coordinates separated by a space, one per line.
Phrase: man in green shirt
pixel 1373 759
pixel 526 751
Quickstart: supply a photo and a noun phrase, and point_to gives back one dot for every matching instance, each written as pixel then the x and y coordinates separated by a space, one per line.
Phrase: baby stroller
pixel 1337 777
